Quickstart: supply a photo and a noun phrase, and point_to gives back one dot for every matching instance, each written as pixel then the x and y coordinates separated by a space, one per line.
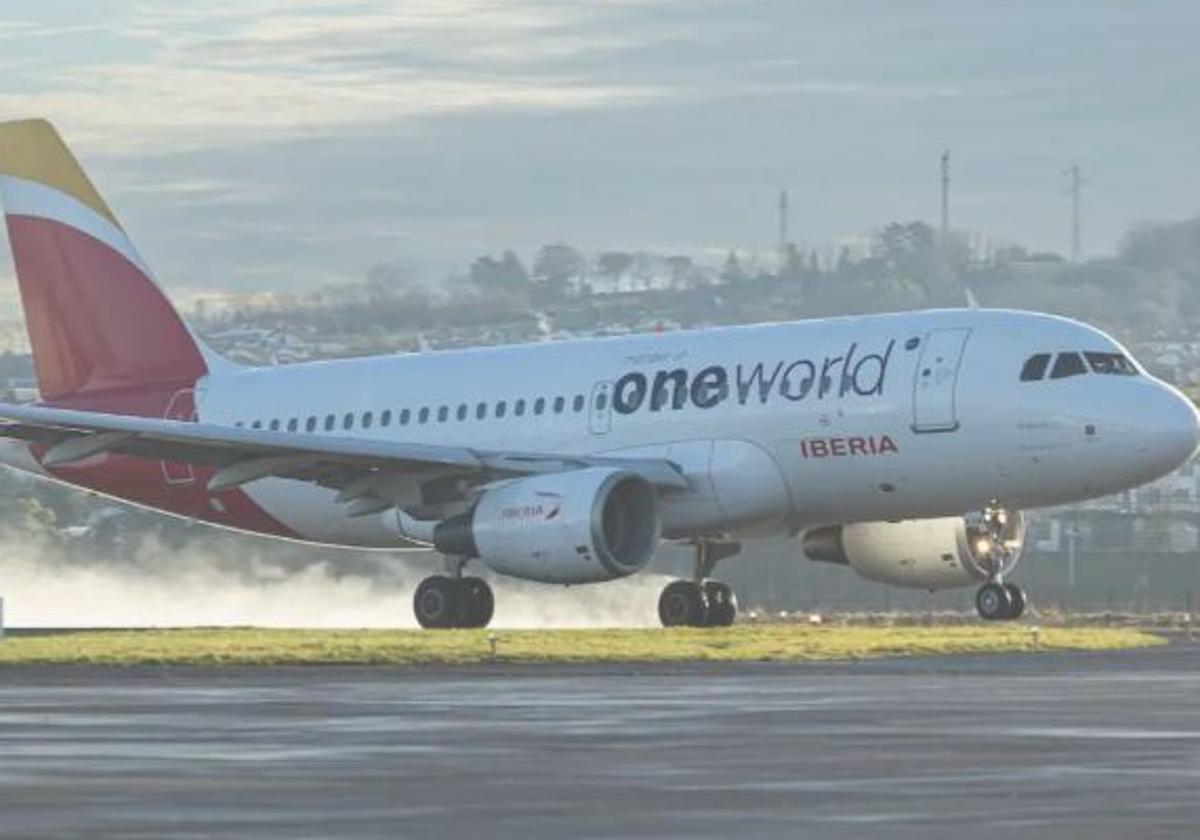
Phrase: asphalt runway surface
pixel 1043 745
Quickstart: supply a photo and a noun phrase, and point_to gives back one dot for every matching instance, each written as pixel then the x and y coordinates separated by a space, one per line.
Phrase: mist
pixel 214 585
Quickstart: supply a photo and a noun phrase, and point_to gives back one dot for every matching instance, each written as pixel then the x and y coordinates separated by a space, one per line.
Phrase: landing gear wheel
pixel 682 603
pixel 993 602
pixel 438 602
pixel 478 602
pixel 722 605
pixel 1017 600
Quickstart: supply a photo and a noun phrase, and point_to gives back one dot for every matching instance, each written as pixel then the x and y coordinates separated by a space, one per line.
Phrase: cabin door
pixel 936 381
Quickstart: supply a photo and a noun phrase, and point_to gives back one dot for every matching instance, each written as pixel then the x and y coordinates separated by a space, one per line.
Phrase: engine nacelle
pixel 924 553
pixel 581 526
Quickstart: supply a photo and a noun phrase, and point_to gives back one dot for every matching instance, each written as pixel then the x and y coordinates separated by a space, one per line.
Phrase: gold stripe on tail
pixel 33 151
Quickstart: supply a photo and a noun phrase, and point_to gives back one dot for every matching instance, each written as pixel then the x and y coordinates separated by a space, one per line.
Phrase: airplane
pixel 904 446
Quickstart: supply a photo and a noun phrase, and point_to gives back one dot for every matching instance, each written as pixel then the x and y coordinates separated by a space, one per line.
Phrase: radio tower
pixel 1075 182
pixel 783 230
pixel 945 197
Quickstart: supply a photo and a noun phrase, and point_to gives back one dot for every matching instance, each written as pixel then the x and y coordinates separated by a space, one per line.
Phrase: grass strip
pixel 782 642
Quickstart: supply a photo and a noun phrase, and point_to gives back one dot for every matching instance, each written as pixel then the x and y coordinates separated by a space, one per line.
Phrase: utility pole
pixel 1075 184
pixel 945 198
pixel 783 230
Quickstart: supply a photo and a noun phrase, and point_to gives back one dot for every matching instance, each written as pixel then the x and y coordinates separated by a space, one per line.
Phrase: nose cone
pixel 1171 427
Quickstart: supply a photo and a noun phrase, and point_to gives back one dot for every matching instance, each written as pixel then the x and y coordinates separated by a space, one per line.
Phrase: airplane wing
pixel 370 475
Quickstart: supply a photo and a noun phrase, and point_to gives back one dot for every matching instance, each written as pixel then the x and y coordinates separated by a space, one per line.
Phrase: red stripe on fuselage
pixel 144 482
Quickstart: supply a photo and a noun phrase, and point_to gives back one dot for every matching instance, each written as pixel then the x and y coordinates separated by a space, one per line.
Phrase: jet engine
pixel 580 526
pixel 924 553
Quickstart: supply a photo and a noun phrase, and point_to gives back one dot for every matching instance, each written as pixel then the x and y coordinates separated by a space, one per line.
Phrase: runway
pixel 1048 745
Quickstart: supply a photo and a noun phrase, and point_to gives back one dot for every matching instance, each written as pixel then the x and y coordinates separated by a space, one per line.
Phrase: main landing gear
pixel 999 601
pixel 445 601
pixel 700 602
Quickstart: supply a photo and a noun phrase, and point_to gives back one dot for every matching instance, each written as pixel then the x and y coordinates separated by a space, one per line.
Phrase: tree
pixel 793 264
pixel 680 267
pixel 613 264
pixel 732 271
pixel 908 249
pixel 555 267
pixel 504 276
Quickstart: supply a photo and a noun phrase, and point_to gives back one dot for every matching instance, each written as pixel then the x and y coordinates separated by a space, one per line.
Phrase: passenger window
pixel 1111 364
pixel 559 405
pixel 310 425
pixel 274 425
pixel 539 405
pixel 1067 364
pixel 239 424
pixel 368 419
pixel 443 413
pixel 293 424
pixel 257 424
pixel 405 414
pixel 601 401
pixel 385 419
pixel 481 411
pixel 348 421
pixel 424 415
pixel 462 411
pixel 501 408
pixel 578 403
pixel 1035 367
pixel 519 408
pixel 330 420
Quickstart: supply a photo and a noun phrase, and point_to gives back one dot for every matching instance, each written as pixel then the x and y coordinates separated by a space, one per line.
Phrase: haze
pixel 269 145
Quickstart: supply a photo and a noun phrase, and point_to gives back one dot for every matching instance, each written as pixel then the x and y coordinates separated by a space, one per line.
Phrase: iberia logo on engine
pixel 537 510
pixel 843 447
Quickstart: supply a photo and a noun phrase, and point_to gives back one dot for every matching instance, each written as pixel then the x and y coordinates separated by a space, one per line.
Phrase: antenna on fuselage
pixel 972 301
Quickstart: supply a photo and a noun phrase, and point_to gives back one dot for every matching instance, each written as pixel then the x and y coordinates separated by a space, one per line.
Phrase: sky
pixel 283 145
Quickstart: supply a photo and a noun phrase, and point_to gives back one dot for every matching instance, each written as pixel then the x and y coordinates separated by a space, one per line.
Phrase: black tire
pixel 479 605
pixel 1017 601
pixel 722 604
pixel 682 604
pixel 438 603
pixel 993 602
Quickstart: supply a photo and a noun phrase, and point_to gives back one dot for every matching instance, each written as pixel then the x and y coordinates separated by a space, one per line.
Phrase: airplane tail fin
pixel 97 322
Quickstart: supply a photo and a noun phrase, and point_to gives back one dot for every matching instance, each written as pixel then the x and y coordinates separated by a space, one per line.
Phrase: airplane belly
pixel 312 513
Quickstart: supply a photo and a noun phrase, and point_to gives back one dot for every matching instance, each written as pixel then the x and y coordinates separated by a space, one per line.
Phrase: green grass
pixel 781 642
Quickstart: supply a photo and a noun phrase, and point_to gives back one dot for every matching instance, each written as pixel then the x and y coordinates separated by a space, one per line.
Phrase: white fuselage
pixel 777 427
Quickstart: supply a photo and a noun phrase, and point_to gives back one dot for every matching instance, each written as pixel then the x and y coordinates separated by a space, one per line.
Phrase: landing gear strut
pixel 997 600
pixel 700 602
pixel 445 601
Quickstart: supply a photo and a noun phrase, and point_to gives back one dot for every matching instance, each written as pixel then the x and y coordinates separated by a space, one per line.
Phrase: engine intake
pixel 924 553
pixel 582 526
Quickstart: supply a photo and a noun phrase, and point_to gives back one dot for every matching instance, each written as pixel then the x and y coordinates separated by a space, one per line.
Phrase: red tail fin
pixel 97 322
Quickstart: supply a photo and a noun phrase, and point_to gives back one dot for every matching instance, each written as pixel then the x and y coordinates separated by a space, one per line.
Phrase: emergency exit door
pixel 936 383
pixel 600 409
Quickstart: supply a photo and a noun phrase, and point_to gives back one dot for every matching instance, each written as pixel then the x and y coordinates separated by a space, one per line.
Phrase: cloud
pixel 264 70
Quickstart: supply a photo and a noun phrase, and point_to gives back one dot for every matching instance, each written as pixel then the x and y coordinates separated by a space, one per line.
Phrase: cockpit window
pixel 1067 364
pixel 1035 367
pixel 1111 364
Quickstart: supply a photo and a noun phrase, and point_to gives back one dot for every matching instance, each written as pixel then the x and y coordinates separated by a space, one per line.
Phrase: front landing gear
pixel 997 601
pixel 442 602
pixel 700 602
